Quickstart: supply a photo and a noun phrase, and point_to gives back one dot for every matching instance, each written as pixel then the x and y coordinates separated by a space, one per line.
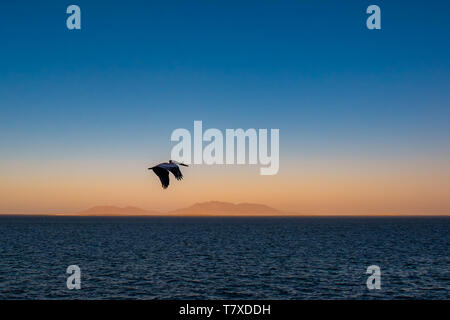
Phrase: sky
pixel 363 114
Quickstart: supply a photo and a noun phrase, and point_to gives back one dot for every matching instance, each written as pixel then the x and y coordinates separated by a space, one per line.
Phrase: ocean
pixel 224 257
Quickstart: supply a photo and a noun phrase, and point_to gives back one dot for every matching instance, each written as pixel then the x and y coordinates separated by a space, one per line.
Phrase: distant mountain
pixel 116 211
pixel 217 208
pixel 210 208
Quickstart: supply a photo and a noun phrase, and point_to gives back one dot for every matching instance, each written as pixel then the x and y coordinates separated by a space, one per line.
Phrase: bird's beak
pixel 182 164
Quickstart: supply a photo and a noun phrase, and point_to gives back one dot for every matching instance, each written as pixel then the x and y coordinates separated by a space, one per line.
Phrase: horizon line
pixel 203 210
pixel 222 215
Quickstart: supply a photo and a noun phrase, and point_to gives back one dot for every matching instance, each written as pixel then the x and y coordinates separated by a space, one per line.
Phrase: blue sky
pixel 298 65
pixel 140 69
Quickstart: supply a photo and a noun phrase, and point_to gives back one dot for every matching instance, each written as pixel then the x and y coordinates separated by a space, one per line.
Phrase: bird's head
pixel 179 163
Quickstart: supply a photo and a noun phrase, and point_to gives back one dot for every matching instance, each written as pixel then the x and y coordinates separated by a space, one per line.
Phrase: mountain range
pixel 210 208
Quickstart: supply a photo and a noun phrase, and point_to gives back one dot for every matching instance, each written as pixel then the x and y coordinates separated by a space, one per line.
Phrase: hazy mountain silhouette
pixel 210 208
pixel 217 208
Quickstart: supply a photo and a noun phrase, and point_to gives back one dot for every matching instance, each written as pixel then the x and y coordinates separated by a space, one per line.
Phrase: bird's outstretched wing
pixel 176 172
pixel 163 175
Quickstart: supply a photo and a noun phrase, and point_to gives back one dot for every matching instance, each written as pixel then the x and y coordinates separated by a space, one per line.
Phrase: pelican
pixel 162 171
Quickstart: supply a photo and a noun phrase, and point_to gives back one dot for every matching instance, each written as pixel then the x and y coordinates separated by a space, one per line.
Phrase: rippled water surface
pixel 224 258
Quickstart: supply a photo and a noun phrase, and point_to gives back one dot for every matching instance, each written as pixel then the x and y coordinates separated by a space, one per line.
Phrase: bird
pixel 162 171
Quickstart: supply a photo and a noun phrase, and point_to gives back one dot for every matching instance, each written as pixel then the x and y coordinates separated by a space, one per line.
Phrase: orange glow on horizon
pixel 310 188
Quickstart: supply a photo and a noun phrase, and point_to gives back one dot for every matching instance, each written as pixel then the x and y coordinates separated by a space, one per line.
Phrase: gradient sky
pixel 363 115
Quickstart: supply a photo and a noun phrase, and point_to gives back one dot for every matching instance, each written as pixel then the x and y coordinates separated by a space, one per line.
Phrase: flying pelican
pixel 162 171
